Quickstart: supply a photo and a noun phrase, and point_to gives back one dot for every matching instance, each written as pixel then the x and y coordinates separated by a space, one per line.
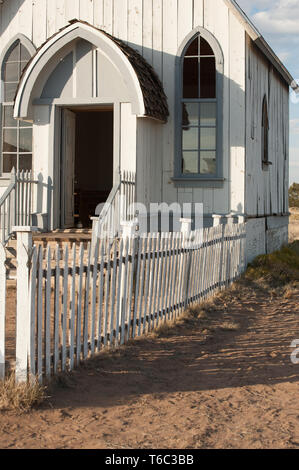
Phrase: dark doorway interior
pixel 93 162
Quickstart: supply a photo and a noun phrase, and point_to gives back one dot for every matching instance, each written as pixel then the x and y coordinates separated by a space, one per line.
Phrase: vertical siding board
pixel 185 19
pixel 98 13
pixel 135 24
pixel 86 10
pixel 72 9
pixel 158 37
pixel 147 40
pixel 108 16
pixel 120 19
pixel 198 14
pixel 39 22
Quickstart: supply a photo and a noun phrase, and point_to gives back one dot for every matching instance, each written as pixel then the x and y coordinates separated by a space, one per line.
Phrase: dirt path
pixel 203 388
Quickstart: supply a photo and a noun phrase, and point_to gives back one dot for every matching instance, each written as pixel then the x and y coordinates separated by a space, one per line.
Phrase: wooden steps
pixel 51 239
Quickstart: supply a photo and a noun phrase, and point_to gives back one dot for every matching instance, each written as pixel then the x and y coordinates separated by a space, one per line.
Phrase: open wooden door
pixel 68 168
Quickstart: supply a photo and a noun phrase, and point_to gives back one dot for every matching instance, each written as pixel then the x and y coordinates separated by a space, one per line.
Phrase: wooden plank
pixel 185 19
pixel 72 9
pixel 198 13
pixel 73 308
pixel 80 303
pixel 108 16
pixel 147 40
pixel 32 315
pixel 113 294
pixel 98 13
pixel 2 310
pixel 86 305
pixel 101 294
pixel 39 22
pixel 107 294
pixel 94 297
pixel 40 316
pixel 137 283
pixel 120 19
pixel 48 316
pixel 135 24
pixel 118 293
pixel 86 11
pixel 124 285
pixel 157 37
pixel 65 308
pixel 56 310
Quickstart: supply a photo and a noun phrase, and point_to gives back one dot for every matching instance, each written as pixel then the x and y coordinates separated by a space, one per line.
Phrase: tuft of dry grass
pixel 20 397
pixel 277 269
pixel 229 326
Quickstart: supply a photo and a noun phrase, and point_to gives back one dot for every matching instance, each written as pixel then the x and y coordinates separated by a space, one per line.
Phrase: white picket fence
pixel 80 301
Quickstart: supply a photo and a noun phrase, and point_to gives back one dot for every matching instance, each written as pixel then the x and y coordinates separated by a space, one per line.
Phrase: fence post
pixel 24 250
pixel 186 230
pixel 2 310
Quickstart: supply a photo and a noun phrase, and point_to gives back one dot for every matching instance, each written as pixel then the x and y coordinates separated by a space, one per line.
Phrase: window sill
pixel 209 182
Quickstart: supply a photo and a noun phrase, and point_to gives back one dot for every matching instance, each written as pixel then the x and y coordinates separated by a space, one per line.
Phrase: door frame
pixel 56 118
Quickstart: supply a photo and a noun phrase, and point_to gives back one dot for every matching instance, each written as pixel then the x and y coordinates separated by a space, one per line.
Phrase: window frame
pixel 198 179
pixel 265 145
pixel 27 44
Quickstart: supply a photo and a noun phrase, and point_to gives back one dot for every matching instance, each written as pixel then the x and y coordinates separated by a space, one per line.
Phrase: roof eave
pixel 261 43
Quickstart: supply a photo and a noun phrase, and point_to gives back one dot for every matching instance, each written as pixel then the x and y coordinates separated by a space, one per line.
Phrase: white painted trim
pixel 54 45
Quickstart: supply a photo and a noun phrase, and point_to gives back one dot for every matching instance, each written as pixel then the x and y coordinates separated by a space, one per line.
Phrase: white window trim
pixel 198 180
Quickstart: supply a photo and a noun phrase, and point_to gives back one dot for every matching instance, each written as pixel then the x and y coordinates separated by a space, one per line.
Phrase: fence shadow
pixel 258 353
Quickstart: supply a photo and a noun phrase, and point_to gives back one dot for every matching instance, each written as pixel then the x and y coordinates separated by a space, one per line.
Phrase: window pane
pixel 208 138
pixel 14 56
pixel 190 114
pixel 10 140
pixel 207 78
pixel 8 120
pixel 11 73
pixel 208 163
pixel 25 140
pixel 25 162
pixel 10 91
pixel 190 138
pixel 208 114
pixel 193 48
pixel 205 48
pixel 25 56
pixel 25 124
pixel 190 163
pixel 9 162
pixel 190 78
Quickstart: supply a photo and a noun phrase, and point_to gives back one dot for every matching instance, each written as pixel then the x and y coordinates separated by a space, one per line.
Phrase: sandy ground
pixel 205 387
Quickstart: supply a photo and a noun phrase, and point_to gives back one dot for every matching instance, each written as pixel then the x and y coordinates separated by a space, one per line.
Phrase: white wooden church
pixel 184 97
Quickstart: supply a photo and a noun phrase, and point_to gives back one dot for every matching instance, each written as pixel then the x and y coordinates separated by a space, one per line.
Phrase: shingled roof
pixel 155 100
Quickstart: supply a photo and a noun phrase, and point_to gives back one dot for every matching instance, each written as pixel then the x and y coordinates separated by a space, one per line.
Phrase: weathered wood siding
pixel 266 190
pixel 157 28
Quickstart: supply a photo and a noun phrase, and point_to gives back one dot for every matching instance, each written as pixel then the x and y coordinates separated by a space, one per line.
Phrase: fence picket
pixel 2 310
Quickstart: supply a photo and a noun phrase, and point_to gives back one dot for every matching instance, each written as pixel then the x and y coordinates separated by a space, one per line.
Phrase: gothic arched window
pixel 200 98
pixel 16 136
pixel 265 133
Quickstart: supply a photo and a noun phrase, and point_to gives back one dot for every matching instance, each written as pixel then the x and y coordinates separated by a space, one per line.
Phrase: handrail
pixel 16 203
pixel 7 192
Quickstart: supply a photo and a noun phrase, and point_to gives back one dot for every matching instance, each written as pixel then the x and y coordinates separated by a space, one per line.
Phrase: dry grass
pixel 229 326
pixel 20 397
pixel 277 269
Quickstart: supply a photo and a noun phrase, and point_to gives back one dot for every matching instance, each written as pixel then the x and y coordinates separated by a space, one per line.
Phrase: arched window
pixel 201 69
pixel 265 134
pixel 16 136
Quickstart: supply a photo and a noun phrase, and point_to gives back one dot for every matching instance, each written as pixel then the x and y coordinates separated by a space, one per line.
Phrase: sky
pixel 278 22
